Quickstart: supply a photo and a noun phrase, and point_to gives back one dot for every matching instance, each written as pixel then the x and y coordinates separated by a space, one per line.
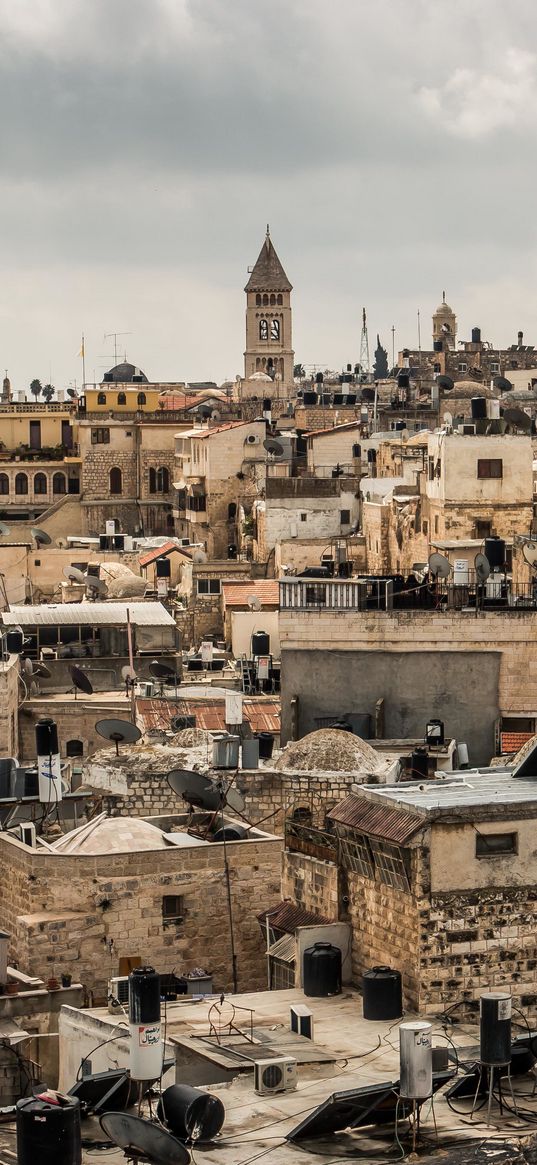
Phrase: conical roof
pixel 268 273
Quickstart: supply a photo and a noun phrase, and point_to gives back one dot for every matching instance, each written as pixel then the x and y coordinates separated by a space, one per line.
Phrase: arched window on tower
pixel 141 399
pixel 272 300
pixel 116 481
pixel 280 299
pixel 258 300
pixel 265 300
pixel 152 480
pixel 263 329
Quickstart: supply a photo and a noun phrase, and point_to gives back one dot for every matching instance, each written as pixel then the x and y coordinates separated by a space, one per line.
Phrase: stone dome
pixel 328 750
pixel 115 835
pixel 465 389
pixel 444 310
pixel 125 374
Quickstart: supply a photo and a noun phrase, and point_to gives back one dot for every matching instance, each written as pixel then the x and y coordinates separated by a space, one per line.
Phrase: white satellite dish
pixel 439 566
pixel 128 674
pixel 74 574
pixel 529 551
pixel 482 567
pixel 254 602
pixel 448 419
pixel 199 557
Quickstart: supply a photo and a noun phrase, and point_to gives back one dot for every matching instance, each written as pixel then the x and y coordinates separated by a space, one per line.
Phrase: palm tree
pixel 48 392
pixel 36 388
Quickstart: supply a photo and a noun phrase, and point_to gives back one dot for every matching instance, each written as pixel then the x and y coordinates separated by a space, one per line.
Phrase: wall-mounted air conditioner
pixel 276 1075
pixel 118 993
pixel 467 430
pixel 252 439
pixel 27 834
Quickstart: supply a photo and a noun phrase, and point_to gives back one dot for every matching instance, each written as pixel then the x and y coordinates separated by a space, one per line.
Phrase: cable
pixel 102 1044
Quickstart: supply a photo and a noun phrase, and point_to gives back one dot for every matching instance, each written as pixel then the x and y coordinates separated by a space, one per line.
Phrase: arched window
pixel 101 398
pixel 4 483
pixel 280 300
pixel 258 300
pixel 21 484
pixel 163 480
pixel 272 300
pixel 58 483
pixel 232 511
pixel 357 450
pixel 116 480
pixel 74 748
pixel 265 300
pixel 121 398
pixel 40 484
pixel 303 815
pixel 141 398
pixel 263 329
pixel 152 480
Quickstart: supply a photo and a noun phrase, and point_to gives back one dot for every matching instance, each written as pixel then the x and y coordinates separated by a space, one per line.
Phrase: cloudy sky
pixel 145 144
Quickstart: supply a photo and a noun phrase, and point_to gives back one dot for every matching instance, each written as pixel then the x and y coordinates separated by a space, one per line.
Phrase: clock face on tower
pixel 274 329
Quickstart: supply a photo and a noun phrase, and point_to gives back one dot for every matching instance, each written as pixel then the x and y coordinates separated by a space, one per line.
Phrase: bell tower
pixel 445 325
pixel 269 344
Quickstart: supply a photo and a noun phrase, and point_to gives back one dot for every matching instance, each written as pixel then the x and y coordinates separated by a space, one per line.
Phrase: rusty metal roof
pixel 262 715
pixel 286 916
pixel 378 820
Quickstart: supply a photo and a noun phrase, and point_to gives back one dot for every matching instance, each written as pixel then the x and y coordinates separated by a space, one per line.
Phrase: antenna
pixel 114 335
pixel 118 731
pixel 81 681
pixel 364 345
pixel 41 537
pixel 482 567
pixel 439 566
pixel 254 602
pixel 141 1140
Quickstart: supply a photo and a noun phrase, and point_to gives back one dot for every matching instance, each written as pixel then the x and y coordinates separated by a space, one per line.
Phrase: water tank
pixel 438 346
pixel 163 568
pixel 230 833
pixel 250 753
pixel 476 335
pixel 15 642
pixel 479 407
pixel 190 1113
pixel 145 1044
pixel 382 993
pixel 419 762
pixel 48 1133
pixel 319 378
pixel 416 1060
pixel 266 744
pixel 495 1028
pixel 260 643
pixel 226 752
pixel 403 380
pixel 495 551
pixel 321 970
pixel 399 426
pixel 434 732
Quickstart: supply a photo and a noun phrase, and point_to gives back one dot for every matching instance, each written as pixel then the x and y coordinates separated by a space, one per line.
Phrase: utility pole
pixel 364 345
pixel 393 345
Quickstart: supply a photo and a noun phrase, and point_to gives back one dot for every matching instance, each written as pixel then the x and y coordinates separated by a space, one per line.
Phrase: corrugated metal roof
pixel 378 820
pixel 287 916
pixel 284 949
pixel 236 594
pixel 464 792
pixel 161 552
pixel 93 614
pixel 261 715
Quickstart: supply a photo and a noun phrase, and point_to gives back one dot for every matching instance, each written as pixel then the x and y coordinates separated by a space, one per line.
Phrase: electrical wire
pixel 102 1044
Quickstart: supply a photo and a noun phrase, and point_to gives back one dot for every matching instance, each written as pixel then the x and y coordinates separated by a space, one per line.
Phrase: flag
pixel 82 352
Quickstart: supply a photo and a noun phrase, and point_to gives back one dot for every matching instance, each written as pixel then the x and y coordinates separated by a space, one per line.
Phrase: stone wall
pixel 36 1012
pixel 312 884
pixel 9 701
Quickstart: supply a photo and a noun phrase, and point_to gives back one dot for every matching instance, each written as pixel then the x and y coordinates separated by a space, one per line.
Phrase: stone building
pixel 476 357
pixel 40 459
pixel 269 342
pixel 437 882
pixel 306 507
pixel 9 704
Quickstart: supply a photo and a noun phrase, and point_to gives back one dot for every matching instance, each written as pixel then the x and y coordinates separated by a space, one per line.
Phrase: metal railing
pixel 373 593
pixel 308 839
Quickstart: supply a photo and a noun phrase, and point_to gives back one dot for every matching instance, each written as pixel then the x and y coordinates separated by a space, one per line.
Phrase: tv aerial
pixel 40 536
pixel 4 529
pixel 141 1140
pixel 74 574
pixel 81 681
pixel 118 731
pixel 254 602
pixel 439 566
pixel 529 551
pixel 482 567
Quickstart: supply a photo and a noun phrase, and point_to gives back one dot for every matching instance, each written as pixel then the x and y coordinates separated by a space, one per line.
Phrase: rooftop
pixel 90 614
pixel 210 711
pixel 236 594
pixel 460 793
pixel 267 273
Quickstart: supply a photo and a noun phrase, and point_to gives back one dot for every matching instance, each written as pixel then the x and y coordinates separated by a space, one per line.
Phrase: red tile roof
pixel 203 433
pixel 334 429
pixel 179 401
pixel 262 715
pixel 236 594
pixel 162 552
pixel 512 741
pixel 378 820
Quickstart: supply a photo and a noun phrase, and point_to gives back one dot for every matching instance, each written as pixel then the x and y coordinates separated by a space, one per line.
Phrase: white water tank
pixel 416 1060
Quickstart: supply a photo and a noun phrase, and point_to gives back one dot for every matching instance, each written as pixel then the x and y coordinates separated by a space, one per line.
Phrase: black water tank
pixel 230 833
pixel 419 762
pixel 403 380
pixel 310 398
pixel 46 737
pixel 479 408
pixel 495 1028
pixel 164 568
pixel 476 335
pixel 438 346
pixel 319 378
pixel 260 643
pixel 382 993
pixel 48 1133
pixel 144 995
pixel 322 970
pixel 191 1113
pixel 495 551
pixel 266 744
pixel 15 641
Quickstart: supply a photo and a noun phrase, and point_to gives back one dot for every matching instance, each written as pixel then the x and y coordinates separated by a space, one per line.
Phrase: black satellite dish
pixel 41 536
pixel 4 529
pixel 162 671
pixel 41 669
pixel 439 566
pixel 273 447
pixel 502 383
pixel 518 419
pixel 72 393
pixel 81 681
pixel 445 382
pixel 143 1141
pixel 195 789
pixel 118 731
pixel 96 585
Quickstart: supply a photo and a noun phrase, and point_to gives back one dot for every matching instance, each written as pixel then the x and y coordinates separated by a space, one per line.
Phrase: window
pixel 436 523
pixel 21 484
pixel 303 815
pixel 101 398
pixel 356 855
pixel 232 511
pixel 141 398
pixel 258 300
pixel 303 517
pixel 463 367
pixel 495 367
pixel 40 484
pixel 437 368
pixel 425 526
pixel 263 330
pixel 208 586
pixel 274 329
pixel 197 503
pixel 345 517
pixel 74 748
pixel 58 483
pixel 35 434
pixel 280 299
pixel 490 467
pixel 490 845
pixel 357 450
pixel 482 529
pixel 4 483
pixel 100 436
pixel 172 908
pixel 430 467
pixel 116 480
pixel 390 865
pixel 121 398
pixel 163 480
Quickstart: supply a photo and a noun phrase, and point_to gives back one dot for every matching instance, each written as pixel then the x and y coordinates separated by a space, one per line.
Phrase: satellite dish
pixel 196 789
pixel 199 557
pixel 4 529
pixel 41 669
pixel 448 419
pixel 162 671
pixel 41 536
pixel 96 585
pixel 143 1141
pixel 445 382
pixel 118 731
pixel 529 551
pixel 128 673
pixel 482 567
pixel 204 411
pixel 502 383
pixel 28 667
pixel 273 447
pixel 439 566
pixel 254 602
pixel 518 419
pixel 73 574
pixel 72 393
pixel 81 681
pixel 215 415
pixel 232 797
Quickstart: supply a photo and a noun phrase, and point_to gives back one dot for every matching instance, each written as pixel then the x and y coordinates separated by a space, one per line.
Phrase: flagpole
pixel 83 363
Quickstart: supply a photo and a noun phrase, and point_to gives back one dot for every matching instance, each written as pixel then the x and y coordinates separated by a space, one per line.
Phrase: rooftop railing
pixel 394 593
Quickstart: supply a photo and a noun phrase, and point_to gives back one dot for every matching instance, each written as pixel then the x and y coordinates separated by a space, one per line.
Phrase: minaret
pixel 6 389
pixel 445 324
pixel 269 345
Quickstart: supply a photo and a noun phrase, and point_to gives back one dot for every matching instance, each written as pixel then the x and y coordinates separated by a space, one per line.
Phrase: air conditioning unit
pixel 467 430
pixel 252 439
pixel 145 689
pixel 118 993
pixel 184 541
pixel 276 1075
pixel 27 834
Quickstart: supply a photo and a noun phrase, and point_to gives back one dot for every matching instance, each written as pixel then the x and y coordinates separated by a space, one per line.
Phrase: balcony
pixel 48 453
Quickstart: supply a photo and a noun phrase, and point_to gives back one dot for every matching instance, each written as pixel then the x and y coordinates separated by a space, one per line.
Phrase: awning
pixel 284 949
